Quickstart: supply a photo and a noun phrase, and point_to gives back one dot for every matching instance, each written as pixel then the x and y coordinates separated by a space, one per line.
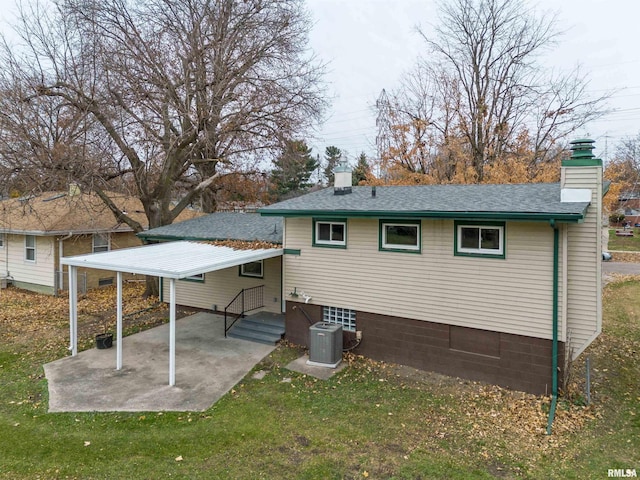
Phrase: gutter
pixel 523 216
pixel 554 347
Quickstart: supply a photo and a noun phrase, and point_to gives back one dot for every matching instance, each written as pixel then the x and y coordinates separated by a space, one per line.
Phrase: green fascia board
pixel 582 162
pixel 524 216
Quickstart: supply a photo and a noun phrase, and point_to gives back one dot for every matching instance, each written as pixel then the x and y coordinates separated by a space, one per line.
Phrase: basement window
pixel 330 233
pixel 479 239
pixel 340 316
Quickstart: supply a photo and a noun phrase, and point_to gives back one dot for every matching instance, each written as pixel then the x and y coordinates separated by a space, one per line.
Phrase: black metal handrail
pixel 246 300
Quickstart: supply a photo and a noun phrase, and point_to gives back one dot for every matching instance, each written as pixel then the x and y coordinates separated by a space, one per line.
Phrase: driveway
pixel 207 366
pixel 621 267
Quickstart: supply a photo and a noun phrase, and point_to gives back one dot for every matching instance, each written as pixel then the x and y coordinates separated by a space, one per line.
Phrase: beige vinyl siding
pixel 39 272
pixel 512 295
pixel 221 286
pixel 584 308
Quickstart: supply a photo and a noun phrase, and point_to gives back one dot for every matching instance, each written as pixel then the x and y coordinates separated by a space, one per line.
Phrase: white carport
pixel 171 260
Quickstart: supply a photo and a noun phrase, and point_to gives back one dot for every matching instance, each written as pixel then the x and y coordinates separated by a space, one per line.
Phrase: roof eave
pixel 55 233
pixel 522 216
pixel 145 236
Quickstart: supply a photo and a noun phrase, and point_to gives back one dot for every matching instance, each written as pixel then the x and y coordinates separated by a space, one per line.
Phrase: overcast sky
pixel 368 44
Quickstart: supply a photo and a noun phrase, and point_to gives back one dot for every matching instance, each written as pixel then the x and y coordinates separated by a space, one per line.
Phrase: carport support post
pixel 172 332
pixel 73 309
pixel 119 323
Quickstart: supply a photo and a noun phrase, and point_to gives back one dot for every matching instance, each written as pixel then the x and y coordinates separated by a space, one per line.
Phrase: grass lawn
pixel 371 420
pixel 628 244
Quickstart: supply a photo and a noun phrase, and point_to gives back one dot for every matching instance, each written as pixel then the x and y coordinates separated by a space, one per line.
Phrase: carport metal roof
pixel 172 260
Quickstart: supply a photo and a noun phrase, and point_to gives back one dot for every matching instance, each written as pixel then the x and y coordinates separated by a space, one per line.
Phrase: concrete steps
pixel 263 327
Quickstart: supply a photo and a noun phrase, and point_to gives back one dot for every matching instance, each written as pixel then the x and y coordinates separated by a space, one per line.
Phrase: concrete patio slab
pixel 323 373
pixel 207 366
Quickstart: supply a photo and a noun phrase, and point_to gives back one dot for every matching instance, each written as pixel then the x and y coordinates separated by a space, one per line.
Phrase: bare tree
pixel 485 86
pixel 182 92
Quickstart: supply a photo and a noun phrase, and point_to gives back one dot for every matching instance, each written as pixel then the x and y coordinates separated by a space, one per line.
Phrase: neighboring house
pixel 497 283
pixel 37 231
pixel 214 290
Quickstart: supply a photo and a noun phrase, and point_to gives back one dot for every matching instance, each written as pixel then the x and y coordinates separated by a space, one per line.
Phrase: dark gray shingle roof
pixel 540 200
pixel 222 226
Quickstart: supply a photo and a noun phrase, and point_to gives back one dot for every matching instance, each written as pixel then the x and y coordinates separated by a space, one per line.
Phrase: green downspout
pixel 554 347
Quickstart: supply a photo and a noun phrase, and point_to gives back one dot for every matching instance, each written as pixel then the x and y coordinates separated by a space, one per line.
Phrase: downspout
pixel 554 346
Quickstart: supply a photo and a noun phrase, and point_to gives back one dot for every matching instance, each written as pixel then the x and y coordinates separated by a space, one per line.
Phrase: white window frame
pixel 198 277
pixel 100 247
pixel 331 242
pixel 28 248
pixel 394 246
pixel 340 316
pixel 499 252
pixel 243 273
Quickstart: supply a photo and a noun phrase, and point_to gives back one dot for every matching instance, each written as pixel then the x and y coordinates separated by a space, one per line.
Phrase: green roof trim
pixel 582 162
pixel 327 215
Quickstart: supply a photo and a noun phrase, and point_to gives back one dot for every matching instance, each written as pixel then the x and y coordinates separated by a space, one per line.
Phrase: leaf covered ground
pixel 371 420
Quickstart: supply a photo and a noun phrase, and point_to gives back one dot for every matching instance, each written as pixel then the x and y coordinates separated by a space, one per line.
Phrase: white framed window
pixel 480 239
pixel 30 248
pixel 340 316
pixel 330 233
pixel 2 240
pixel 252 269
pixel 100 242
pixel 198 277
pixel 400 236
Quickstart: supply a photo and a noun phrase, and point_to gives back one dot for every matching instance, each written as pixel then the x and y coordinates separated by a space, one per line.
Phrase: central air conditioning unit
pixel 325 345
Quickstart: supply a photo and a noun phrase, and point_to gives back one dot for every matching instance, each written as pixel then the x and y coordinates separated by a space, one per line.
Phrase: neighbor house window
pixel 30 248
pixel 198 277
pixel 1 240
pixel 330 233
pixel 100 242
pixel 479 238
pixel 400 236
pixel 252 269
pixel 340 316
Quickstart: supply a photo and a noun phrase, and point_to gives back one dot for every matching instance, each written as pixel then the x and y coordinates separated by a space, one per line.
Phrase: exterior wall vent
pixel 325 345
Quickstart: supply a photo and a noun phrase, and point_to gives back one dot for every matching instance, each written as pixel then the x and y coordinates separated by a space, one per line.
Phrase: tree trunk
pixel 152 287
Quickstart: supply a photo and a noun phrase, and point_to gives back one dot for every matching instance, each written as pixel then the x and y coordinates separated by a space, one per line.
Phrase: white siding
pixel 584 263
pixel 40 272
pixel 512 295
pixel 221 286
